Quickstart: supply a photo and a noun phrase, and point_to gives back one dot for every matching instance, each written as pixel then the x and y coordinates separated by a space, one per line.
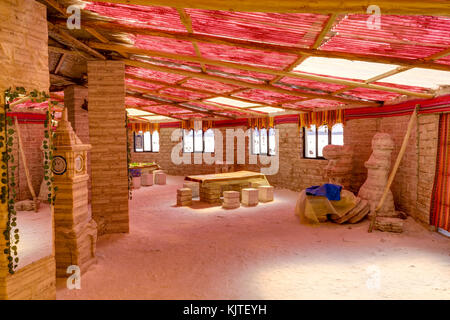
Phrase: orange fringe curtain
pixel 192 125
pixel 144 126
pixel 261 122
pixel 328 117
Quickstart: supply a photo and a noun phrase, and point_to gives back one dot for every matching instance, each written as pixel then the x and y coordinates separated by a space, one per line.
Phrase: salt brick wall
pixel 107 134
pixel 24 63
pixel 412 185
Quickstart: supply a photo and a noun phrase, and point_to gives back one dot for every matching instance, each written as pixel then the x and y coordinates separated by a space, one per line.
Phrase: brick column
pixel 74 98
pixel 24 60
pixel 107 134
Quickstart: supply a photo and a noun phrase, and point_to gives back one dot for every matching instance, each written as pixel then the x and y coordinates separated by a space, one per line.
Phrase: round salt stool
pixel 231 200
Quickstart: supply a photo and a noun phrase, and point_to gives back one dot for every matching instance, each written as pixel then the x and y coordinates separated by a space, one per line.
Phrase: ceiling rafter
pixel 326 28
pixel 244 84
pixel 431 7
pixel 180 105
pixel 246 67
pixel 202 101
pixel 264 46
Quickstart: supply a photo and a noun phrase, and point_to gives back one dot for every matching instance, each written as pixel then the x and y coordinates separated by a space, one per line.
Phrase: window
pixel 208 140
pixel 314 139
pixel 197 141
pixel 255 141
pixel 272 142
pixel 155 141
pixel 188 141
pixel 146 142
pixel 263 141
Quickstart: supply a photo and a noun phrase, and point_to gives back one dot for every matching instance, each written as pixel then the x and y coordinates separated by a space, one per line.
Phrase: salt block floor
pixel 261 252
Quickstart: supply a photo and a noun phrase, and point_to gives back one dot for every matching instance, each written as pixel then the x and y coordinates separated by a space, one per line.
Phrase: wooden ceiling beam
pixel 262 46
pixel 75 41
pixel 417 7
pixel 149 66
pixel 301 75
pixel 156 113
pixel 179 106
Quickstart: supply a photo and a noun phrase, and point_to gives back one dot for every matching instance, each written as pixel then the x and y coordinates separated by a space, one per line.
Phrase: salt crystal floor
pixel 257 253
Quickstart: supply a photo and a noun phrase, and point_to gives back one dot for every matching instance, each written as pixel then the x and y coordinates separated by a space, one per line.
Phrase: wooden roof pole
pixel 412 120
pixel 224 108
pixel 301 75
pixel 264 46
pixel 329 24
pixel 178 105
pixel 431 7
pixel 243 83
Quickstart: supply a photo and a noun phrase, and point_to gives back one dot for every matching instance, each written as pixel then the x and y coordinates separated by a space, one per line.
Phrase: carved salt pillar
pixel 378 168
pixel 75 231
pixel 339 167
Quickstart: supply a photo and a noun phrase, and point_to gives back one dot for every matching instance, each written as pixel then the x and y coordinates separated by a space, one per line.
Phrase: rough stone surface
pixel 340 164
pixel 378 169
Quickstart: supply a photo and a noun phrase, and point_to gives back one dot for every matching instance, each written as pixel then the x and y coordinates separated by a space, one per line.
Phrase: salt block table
pixel 212 186
pixel 144 166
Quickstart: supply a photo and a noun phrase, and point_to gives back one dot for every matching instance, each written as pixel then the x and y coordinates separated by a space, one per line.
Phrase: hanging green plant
pixel 8 168
pixel 130 178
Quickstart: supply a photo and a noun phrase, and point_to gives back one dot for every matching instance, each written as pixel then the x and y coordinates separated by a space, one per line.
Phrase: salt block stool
pixel 184 197
pixel 194 186
pixel 231 200
pixel 250 197
pixel 265 193
pixel 147 179
pixel 136 182
pixel 154 174
pixel 160 178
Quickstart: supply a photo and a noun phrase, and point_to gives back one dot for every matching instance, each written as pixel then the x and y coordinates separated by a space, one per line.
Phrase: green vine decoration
pixel 130 178
pixel 8 192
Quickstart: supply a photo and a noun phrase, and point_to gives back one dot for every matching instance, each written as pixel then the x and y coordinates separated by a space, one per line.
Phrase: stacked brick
pixel 231 200
pixel 184 197
pixel 108 138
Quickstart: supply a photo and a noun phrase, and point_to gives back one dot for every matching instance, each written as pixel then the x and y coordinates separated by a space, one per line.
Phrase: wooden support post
pixel 395 168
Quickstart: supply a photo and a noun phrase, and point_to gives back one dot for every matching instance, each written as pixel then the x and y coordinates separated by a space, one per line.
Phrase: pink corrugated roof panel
pixel 304 83
pixel 209 85
pixel 184 94
pixel 153 75
pixel 294 29
pixel 136 102
pixel 163 109
pixel 315 103
pixel 371 94
pixel 163 18
pixel 399 36
pixel 267 97
pixel 141 84
pixel 238 74
pixel 253 57
pixel 168 45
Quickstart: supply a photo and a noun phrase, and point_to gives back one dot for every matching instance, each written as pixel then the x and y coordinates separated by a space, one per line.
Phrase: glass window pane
pixel 138 142
pixel 155 141
pixel 322 139
pixel 263 141
pixel 255 141
pixel 272 142
pixel 198 141
pixel 188 141
pixel 337 134
pixel 208 137
pixel 147 141
pixel 310 142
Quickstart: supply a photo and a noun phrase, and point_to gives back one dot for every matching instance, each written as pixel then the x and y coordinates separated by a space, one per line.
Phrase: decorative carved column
pixel 75 230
